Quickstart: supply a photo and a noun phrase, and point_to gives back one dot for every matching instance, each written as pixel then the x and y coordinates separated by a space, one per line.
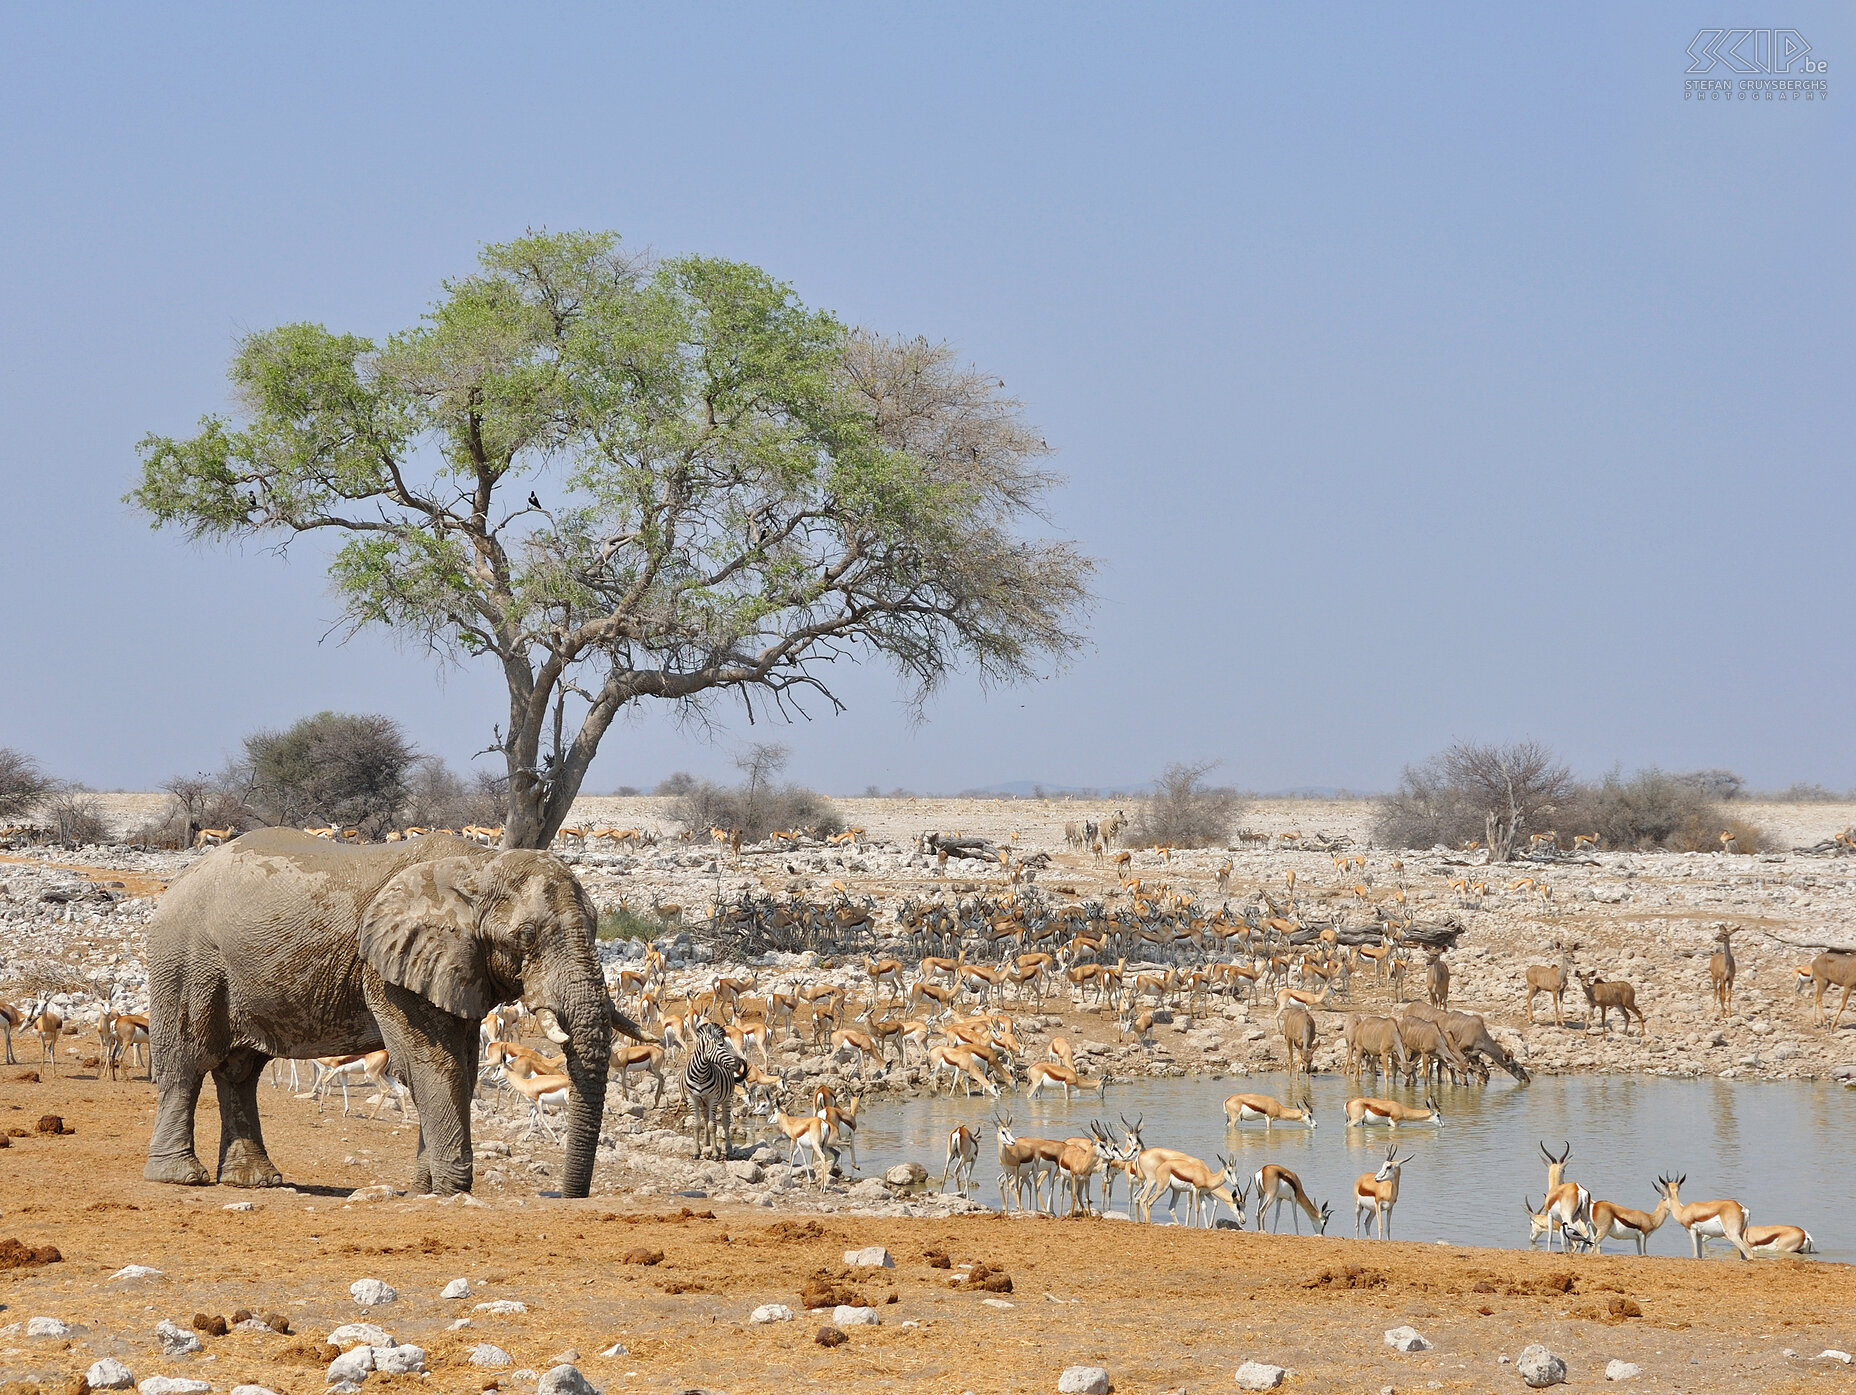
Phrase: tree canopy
pixel 620 478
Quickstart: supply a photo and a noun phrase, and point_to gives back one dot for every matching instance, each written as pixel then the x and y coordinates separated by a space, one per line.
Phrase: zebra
pixel 709 1082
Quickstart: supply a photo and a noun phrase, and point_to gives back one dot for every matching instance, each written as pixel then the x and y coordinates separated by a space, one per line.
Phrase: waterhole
pixel 1781 1149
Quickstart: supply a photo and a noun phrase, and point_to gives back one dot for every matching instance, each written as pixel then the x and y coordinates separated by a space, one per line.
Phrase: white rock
pixel 47 1327
pixel 351 1365
pixel 461 1322
pixel 172 1385
pixel 485 1354
pixel 1540 1367
pixel 503 1305
pixel 845 1315
pixel 457 1288
pixel 907 1174
pixel 1622 1370
pixel 771 1312
pixel 343 1387
pixel 397 1361
pixel 872 1257
pixel 109 1374
pixel 1406 1339
pixel 617 1349
pixel 997 1303
pixel 359 1334
pixel 175 1341
pixel 1083 1380
pixel 252 1390
pixel 565 1380
pixel 1832 1354
pixel 135 1271
pixel 254 1325
pixel 1255 1375
pixel 236 1206
pixel 371 1293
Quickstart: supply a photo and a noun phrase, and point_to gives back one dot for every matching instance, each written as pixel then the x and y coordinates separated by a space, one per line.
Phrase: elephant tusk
pixel 551 1026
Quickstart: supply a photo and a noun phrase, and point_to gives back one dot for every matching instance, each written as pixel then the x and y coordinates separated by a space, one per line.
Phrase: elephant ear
pixel 420 932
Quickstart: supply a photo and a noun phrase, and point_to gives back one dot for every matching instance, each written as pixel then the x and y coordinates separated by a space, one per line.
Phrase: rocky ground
pixel 662 1294
pixel 1159 1310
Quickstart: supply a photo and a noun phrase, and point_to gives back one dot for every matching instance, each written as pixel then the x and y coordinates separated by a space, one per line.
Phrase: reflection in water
pixel 1777 1148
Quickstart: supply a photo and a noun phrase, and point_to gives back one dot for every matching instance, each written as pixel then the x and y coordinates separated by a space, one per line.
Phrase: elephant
pixel 278 944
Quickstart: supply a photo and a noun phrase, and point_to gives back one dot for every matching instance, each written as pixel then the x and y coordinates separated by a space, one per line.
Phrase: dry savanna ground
pixel 1161 1308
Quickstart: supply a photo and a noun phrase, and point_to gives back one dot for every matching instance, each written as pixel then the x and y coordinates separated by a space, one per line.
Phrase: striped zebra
pixel 709 1082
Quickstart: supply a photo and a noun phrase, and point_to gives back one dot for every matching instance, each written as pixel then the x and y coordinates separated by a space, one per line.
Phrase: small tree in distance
pixel 1476 790
pixel 1183 811
pixel 22 783
pixel 333 767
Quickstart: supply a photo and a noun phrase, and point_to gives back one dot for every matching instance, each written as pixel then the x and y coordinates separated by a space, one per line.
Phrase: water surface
pixel 1779 1148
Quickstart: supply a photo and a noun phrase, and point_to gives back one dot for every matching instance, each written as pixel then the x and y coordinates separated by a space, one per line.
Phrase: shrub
pixel 758 805
pixel 75 816
pixel 331 768
pixel 1185 812
pixel 438 797
pixel 1806 792
pixel 624 923
pixel 1473 790
pixel 1656 810
pixel 22 783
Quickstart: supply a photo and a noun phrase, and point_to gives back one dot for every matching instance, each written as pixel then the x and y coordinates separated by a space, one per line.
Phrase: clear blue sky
pixel 1417 375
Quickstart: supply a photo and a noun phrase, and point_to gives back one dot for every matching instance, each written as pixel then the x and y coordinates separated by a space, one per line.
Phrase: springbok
pixel 1274 1187
pixel 1613 1222
pixel 1365 1111
pixel 1780 1240
pixel 1272 1111
pixel 1706 1220
pixel 1565 1202
pixel 963 1155
pixel 1378 1192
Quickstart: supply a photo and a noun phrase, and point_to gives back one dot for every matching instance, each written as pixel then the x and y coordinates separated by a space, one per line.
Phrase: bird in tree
pixel 742 490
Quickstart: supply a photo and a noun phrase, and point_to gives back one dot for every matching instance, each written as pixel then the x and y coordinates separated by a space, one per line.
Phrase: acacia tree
pixel 738 491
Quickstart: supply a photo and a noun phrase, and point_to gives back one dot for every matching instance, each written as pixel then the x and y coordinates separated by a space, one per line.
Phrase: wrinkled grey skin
pixel 280 944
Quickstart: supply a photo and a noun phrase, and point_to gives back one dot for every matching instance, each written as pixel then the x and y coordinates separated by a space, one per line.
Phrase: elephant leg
pixel 242 1159
pixel 170 1149
pixel 436 1055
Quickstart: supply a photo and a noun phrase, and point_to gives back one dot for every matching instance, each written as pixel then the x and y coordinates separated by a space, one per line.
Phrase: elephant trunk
pixel 588 1048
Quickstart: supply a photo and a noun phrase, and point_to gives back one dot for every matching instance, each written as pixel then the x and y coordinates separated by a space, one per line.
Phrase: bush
pixel 75 816
pixel 757 806
pixel 438 797
pixel 1473 791
pixel 675 783
pixel 333 768
pixel 624 923
pixel 1183 811
pixel 22 783
pixel 1656 810
pixel 1808 792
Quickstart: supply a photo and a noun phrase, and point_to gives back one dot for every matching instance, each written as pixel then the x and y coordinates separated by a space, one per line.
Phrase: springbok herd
pixel 944 974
